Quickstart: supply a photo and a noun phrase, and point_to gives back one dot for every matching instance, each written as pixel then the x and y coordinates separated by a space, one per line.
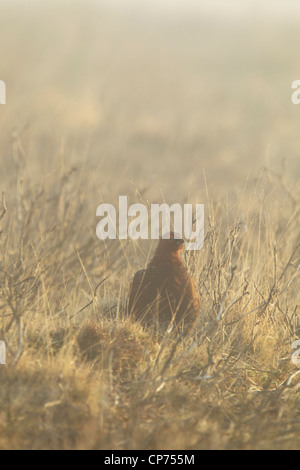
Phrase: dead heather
pixel 81 375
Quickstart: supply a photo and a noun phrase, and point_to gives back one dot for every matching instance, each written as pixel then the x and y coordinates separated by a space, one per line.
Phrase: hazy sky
pixel 217 7
pixel 223 7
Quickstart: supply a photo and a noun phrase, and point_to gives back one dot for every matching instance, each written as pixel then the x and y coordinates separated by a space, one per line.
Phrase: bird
pixel 163 293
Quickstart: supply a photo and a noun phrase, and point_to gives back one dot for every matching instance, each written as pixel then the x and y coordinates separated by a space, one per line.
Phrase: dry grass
pixel 91 378
pixel 79 373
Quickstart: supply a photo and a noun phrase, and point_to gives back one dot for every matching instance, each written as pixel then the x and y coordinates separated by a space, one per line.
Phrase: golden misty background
pixel 153 92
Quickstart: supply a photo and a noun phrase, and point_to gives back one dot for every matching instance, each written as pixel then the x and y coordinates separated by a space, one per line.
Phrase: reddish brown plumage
pixel 164 290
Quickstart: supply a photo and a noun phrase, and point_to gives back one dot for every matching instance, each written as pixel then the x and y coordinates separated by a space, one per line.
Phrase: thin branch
pixel 4 208
pixel 220 310
pixel 92 300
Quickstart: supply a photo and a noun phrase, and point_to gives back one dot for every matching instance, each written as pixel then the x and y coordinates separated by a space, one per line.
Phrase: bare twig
pixel 4 208
pixel 92 300
pixel 220 310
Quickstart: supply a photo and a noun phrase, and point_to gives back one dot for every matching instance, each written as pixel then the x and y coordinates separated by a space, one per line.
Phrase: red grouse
pixel 164 292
